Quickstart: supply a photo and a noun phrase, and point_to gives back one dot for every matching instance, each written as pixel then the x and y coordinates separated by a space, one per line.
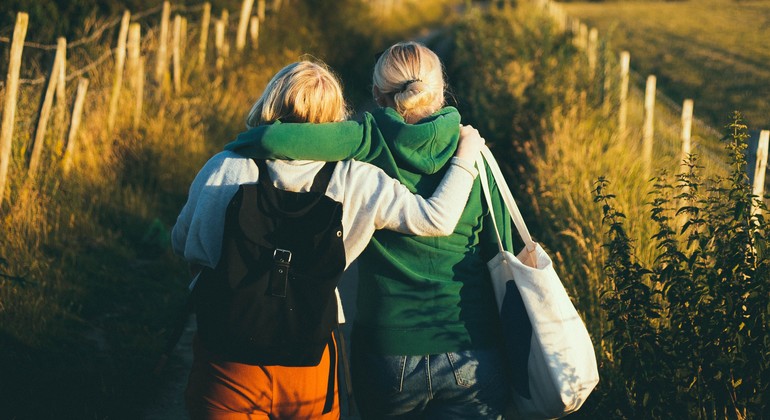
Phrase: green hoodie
pixel 416 295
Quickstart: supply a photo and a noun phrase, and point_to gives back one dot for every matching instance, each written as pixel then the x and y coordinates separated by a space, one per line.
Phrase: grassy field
pixel 713 51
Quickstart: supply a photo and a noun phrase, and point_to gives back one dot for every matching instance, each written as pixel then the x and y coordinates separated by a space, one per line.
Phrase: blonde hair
pixel 413 75
pixel 304 91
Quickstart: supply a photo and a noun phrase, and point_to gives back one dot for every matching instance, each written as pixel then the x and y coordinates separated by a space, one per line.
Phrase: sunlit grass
pixel 88 283
pixel 713 51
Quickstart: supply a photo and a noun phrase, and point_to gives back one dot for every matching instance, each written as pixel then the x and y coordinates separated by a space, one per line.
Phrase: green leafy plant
pixel 690 334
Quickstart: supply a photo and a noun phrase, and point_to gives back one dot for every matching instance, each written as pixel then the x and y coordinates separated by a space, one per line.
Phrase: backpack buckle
pixel 282 255
pixel 279 275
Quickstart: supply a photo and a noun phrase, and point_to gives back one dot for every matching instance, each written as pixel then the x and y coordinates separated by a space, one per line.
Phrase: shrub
pixel 689 334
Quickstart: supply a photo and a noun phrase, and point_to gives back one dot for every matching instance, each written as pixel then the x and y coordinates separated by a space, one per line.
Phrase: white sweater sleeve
pixel 373 200
pixel 197 234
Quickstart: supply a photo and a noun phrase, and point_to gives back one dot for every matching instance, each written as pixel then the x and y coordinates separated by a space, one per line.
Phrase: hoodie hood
pixel 424 147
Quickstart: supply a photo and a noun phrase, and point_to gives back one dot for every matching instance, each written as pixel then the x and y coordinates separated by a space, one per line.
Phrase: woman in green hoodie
pixel 425 340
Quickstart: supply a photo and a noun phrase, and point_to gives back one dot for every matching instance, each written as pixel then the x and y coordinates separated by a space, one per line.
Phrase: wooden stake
pixel 175 53
pixel 687 108
pixel 261 9
pixel 134 51
pixel 240 38
pixel 183 38
pixel 139 94
pixel 77 111
pixel 607 76
pixel 61 95
pixel 45 110
pixel 203 41
pixel 161 65
pixel 226 24
pixel 11 92
pixel 254 31
pixel 219 40
pixel 120 60
pixel 593 41
pixel 760 169
pixel 625 61
pixel 649 122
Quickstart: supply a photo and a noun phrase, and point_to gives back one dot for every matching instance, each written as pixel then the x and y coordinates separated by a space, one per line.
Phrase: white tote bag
pixel 553 365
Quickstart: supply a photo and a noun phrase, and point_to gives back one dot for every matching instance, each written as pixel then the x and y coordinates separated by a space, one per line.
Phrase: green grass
pixel 715 52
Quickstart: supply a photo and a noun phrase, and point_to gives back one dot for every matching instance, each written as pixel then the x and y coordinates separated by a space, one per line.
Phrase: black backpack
pixel 271 299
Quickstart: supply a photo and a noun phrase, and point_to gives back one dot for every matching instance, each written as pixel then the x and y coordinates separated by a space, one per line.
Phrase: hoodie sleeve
pixel 372 200
pixel 197 234
pixel 382 138
pixel 328 142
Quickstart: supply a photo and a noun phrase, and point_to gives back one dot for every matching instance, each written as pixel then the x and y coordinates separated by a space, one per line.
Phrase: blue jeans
pixel 465 385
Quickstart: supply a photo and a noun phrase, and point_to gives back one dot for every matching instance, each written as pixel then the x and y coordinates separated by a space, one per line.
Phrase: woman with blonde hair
pixel 425 341
pixel 225 387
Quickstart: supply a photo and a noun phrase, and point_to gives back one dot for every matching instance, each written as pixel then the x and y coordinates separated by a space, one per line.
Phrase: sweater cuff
pixel 465 164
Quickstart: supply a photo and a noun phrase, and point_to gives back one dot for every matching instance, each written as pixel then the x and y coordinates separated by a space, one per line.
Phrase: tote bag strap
pixel 488 197
pixel 505 193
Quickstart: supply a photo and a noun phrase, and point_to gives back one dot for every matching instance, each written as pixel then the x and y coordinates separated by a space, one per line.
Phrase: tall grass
pixel 612 255
pixel 88 283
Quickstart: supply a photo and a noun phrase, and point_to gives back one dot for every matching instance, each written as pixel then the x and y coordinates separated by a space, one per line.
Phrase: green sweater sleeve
pixel 326 142
pixel 382 138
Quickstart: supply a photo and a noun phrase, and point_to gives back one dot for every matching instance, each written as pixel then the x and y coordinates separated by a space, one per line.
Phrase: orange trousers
pixel 219 390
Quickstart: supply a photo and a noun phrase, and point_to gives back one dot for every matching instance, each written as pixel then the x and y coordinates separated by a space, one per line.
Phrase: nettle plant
pixel 690 331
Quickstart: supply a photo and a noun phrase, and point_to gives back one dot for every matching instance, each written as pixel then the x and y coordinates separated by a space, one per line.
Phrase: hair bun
pixel 409 83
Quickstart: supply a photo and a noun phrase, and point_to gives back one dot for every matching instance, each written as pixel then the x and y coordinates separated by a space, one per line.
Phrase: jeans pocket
pixel 380 374
pixel 477 368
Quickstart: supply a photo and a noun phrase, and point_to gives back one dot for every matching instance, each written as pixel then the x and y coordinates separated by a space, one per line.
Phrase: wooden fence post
pixel 593 41
pixel 45 110
pixel 161 65
pixel 175 53
pixel 139 99
pixel 240 39
pixel 760 169
pixel 61 98
pixel 254 31
pixel 583 36
pixel 203 41
pixel 649 122
pixel 134 51
pixel 11 92
pixel 120 60
pixel 607 82
pixel 219 40
pixel 625 61
pixel 226 25
pixel 261 9
pixel 183 38
pixel 687 108
pixel 77 111
pixel 575 31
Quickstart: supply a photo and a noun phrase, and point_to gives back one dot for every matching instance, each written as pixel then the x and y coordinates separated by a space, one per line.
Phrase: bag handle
pixel 505 193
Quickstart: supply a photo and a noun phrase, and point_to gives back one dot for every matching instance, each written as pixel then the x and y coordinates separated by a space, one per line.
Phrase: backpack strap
pixel 322 178
pixel 329 403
